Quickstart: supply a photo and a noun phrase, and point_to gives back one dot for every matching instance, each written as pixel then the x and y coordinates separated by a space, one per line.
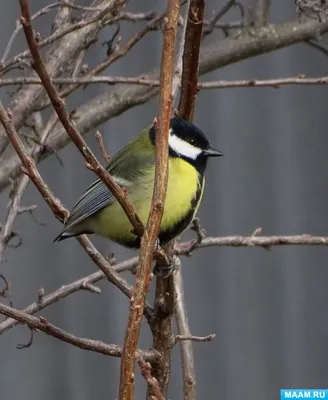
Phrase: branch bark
pixel 97 346
pixel 149 237
pixel 190 58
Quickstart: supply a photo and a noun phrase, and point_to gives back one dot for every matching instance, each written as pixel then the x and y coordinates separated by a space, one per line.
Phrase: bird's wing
pixel 125 169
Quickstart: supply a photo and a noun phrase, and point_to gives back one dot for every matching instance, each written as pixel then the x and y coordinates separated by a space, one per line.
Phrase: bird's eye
pixel 191 141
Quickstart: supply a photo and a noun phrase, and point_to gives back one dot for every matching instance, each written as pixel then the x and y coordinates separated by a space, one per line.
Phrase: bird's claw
pixel 165 271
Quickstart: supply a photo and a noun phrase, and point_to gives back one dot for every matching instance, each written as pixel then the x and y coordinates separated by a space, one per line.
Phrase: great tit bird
pixel 133 168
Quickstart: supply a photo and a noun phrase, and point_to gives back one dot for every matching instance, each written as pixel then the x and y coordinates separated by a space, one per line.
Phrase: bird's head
pixel 188 142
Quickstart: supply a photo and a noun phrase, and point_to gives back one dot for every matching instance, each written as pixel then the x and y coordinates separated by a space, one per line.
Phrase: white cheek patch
pixel 183 148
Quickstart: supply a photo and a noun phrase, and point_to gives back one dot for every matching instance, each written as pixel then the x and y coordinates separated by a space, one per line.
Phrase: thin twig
pixel 256 241
pixel 58 105
pixel 101 15
pixel 221 84
pixel 100 141
pixel 186 349
pixel 97 346
pixel 117 54
pixel 148 240
pixel 19 189
pixel 18 28
pixel 208 338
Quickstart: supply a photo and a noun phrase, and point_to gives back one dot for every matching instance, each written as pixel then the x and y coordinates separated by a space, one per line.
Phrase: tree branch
pixel 97 346
pixel 149 238
pixel 152 382
pixel 70 128
pixel 66 290
pixel 190 58
pixel 60 211
pixel 185 248
pixel 27 99
pixel 213 56
pixel 189 90
pixel 221 84
pixel 186 350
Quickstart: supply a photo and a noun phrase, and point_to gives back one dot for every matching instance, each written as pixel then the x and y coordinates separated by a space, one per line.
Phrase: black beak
pixel 212 153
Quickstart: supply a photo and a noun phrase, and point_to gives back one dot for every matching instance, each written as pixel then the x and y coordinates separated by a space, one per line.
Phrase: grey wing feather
pixel 95 198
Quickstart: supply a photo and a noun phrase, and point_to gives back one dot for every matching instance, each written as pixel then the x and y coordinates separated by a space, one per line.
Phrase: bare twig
pixel 257 241
pixel 100 141
pixel 187 356
pixel 221 84
pixel 273 83
pixel 148 240
pixel 19 189
pixel 18 28
pixel 97 346
pixel 208 338
pixel 145 368
pixel 58 34
pixel 118 53
pixel 58 105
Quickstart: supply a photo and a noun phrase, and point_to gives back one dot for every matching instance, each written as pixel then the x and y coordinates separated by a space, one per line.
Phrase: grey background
pixel 268 309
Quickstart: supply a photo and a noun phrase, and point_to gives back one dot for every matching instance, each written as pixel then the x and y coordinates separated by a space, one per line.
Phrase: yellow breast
pixel 183 184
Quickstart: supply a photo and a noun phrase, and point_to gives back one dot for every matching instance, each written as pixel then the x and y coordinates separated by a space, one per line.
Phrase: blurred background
pixel 268 309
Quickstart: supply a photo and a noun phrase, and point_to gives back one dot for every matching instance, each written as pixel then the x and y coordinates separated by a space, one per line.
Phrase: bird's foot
pixel 164 271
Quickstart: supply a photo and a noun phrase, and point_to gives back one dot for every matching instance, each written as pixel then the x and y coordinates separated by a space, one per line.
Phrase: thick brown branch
pixel 190 58
pixel 97 346
pixel 149 238
pixel 70 128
